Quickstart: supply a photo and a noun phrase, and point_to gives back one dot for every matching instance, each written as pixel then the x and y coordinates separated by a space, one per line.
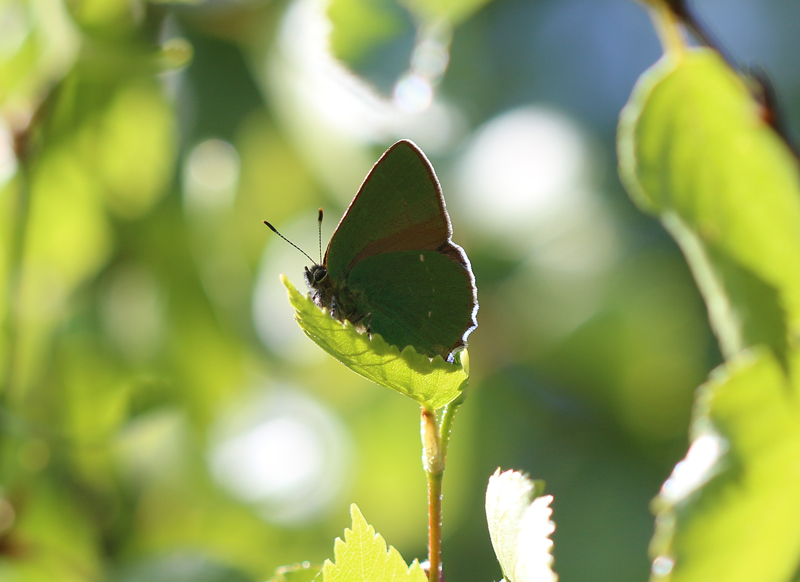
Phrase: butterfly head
pixel 315 275
pixel 321 290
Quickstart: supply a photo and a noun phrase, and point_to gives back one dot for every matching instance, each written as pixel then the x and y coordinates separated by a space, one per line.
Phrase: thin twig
pixel 433 462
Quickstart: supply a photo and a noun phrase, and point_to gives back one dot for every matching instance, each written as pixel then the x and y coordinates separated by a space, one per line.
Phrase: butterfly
pixel 391 267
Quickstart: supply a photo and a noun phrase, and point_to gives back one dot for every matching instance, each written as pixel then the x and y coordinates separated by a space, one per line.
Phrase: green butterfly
pixel 391 268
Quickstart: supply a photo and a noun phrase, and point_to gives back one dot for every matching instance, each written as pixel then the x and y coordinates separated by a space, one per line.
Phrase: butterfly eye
pixel 319 274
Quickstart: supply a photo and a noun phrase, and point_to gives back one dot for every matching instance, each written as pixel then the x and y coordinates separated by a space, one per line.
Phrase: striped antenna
pixel 275 230
pixel 319 221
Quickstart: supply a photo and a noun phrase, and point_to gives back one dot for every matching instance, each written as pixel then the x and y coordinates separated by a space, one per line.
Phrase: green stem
pixel 446 425
pixel 433 463
pixel 435 440
pixel 667 27
pixel 434 526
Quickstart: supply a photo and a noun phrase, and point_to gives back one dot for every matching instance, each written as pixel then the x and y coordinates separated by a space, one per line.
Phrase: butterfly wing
pixel 419 298
pixel 398 218
pixel 399 207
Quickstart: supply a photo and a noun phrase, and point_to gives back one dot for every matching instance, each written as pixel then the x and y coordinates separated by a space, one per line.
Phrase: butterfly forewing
pixel 399 207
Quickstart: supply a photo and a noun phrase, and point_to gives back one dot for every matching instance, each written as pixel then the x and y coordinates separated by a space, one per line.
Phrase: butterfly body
pixel 391 268
pixel 338 299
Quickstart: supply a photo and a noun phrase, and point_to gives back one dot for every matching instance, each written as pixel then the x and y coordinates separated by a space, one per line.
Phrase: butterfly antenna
pixel 319 221
pixel 275 230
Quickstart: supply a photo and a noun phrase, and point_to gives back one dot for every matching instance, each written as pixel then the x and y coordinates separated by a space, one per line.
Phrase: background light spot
pixel 211 174
pixel 285 453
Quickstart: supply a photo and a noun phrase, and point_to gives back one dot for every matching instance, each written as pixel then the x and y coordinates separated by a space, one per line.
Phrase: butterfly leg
pixel 335 309
pixel 361 322
pixel 368 323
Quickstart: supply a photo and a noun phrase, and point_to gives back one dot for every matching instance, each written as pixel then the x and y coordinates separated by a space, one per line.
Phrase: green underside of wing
pixel 426 303
pixel 399 192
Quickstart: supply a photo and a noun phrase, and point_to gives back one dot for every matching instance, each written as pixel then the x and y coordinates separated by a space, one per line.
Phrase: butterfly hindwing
pixel 419 298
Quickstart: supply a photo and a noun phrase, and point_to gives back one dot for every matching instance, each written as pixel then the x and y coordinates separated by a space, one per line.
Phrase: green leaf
pixel 520 527
pixel 695 151
pixel 731 510
pixel 363 557
pixel 304 572
pixel 431 382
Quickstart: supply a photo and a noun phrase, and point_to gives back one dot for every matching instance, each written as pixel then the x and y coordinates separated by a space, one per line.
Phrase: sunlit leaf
pixel 695 151
pixel 520 527
pixel 730 511
pixel 364 557
pixel 432 383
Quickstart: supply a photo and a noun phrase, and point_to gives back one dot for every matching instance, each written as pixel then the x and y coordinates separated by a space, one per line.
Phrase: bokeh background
pixel 164 419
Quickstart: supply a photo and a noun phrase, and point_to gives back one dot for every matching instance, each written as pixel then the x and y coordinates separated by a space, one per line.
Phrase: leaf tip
pixel 462 358
pixel 355 513
pixel 520 526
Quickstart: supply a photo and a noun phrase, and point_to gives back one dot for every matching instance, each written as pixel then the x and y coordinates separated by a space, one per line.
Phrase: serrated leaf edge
pixel 359 523
pixel 414 361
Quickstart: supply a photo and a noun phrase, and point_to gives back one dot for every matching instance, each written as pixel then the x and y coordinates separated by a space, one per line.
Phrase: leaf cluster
pixel 696 151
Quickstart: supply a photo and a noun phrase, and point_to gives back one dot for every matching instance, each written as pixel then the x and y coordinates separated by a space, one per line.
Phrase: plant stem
pixel 667 26
pixel 433 462
pixel 434 526
pixel 435 439
pixel 446 426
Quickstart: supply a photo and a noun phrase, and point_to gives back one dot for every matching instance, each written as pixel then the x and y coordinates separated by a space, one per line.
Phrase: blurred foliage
pixel 697 122
pixel 304 572
pixel 743 524
pixel 149 363
pixel 359 25
pixel 697 150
